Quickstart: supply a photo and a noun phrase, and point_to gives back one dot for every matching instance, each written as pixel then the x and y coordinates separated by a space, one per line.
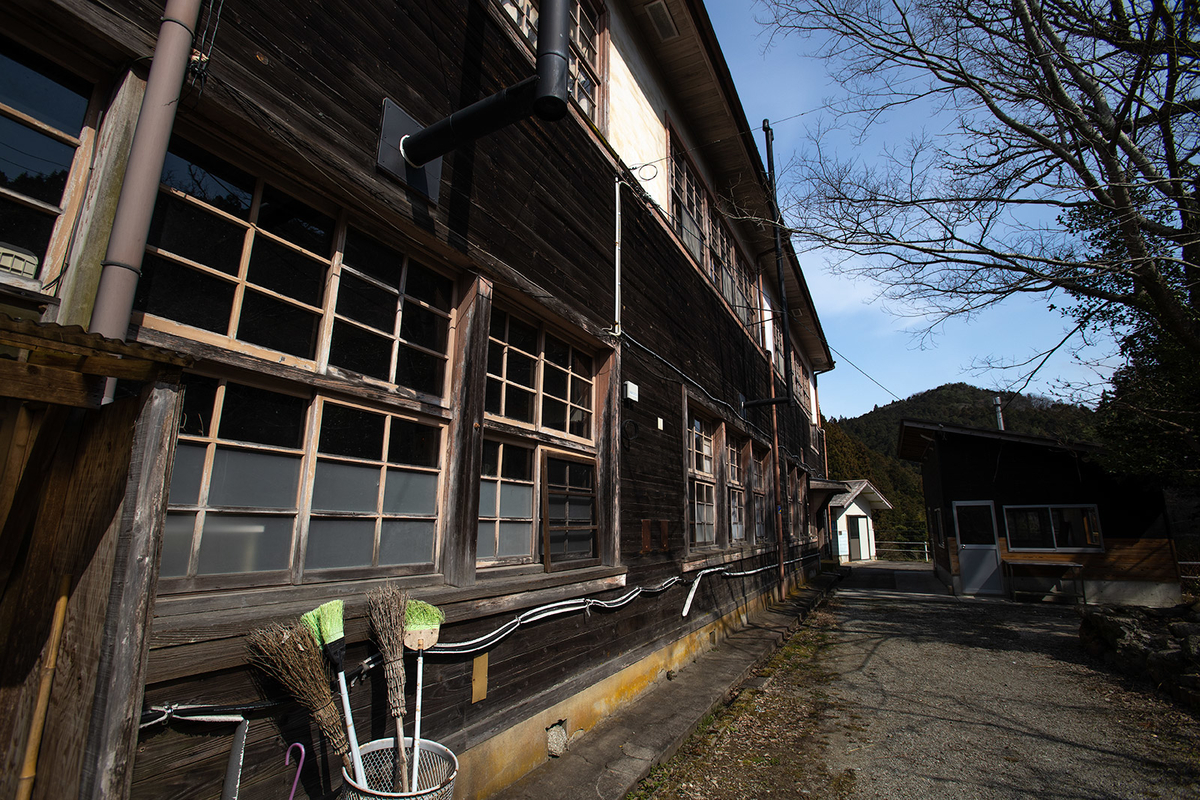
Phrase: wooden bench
pixel 1009 566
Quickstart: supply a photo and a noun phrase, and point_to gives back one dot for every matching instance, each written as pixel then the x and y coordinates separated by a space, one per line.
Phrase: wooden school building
pixel 552 351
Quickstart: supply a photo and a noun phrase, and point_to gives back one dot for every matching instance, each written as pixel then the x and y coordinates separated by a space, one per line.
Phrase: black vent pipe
pixel 544 94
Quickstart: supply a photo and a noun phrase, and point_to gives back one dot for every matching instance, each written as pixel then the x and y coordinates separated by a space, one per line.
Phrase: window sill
pixel 199 633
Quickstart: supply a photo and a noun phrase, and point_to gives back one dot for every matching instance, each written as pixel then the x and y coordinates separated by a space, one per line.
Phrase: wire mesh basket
pixel 438 769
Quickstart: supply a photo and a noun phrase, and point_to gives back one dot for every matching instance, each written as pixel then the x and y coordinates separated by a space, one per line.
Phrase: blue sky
pixel 781 83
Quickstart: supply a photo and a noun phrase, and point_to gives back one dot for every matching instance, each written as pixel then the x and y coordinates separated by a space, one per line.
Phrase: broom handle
pixel 360 775
pixel 416 770
pixel 400 767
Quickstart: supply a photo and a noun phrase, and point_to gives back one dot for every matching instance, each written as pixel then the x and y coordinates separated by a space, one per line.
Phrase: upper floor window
pixel 701 227
pixel 585 62
pixel 42 114
pixel 534 377
pixel 687 203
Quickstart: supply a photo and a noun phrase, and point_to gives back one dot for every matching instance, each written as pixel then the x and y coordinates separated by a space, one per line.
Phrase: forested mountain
pixel 865 446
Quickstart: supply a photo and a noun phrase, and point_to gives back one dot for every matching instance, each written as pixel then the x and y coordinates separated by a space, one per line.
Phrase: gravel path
pixel 896 690
pixel 940 697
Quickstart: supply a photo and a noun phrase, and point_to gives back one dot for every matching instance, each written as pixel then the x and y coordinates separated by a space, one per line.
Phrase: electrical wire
pixel 228 714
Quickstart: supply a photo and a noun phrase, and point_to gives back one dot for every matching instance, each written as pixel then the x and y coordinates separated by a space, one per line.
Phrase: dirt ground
pixel 896 691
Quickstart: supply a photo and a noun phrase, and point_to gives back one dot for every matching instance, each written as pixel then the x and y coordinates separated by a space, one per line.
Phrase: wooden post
pixel 112 738
pixel 461 523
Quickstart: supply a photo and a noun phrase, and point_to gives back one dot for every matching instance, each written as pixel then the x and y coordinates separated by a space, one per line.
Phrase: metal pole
pixel 777 223
pixel 127 244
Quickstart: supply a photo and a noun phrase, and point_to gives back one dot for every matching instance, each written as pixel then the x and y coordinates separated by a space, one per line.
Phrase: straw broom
pixel 386 606
pixel 290 655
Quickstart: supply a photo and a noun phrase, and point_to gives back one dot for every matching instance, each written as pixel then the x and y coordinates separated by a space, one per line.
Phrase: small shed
pixel 853 515
pixel 1032 517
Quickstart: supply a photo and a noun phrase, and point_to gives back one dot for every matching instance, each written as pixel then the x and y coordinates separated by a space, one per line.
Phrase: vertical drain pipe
pixel 123 261
pixel 617 265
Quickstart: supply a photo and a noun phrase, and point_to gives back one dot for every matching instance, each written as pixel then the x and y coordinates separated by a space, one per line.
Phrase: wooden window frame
pixel 403 301
pixel 538 389
pixel 325 314
pixel 571 563
pixel 535 517
pixel 50 265
pixel 522 15
pixel 296 573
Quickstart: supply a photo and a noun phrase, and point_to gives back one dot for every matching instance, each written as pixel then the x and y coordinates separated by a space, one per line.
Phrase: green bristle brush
pixel 325 622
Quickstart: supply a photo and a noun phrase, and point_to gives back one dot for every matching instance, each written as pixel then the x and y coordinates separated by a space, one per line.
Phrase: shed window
pixel 1052 527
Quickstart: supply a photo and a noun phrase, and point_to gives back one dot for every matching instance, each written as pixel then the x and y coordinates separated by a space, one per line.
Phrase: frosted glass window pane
pixel 410 493
pixel 244 543
pixel 516 500
pixel 515 538
pixel 486 543
pixel 334 543
pixel 186 474
pixel 345 487
pixel 405 541
pixel 243 479
pixel 487 498
pixel 177 545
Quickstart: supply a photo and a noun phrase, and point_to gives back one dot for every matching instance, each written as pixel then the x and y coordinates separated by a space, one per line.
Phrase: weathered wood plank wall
pixel 294 91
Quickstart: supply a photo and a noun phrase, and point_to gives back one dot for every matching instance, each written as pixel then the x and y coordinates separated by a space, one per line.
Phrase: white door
pixel 978 551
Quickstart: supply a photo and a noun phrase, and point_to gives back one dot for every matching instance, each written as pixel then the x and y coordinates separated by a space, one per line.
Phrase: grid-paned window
pixel 584 63
pixel 701 482
pixel 235 256
pixel 761 476
pixel 506 492
pixel 268 485
pixel 392 319
pixel 375 490
pixel 569 496
pixel 235 486
pixel 687 203
pixel 737 514
pixel 42 114
pixel 702 495
pixel 700 446
pixel 734 476
pixel 537 378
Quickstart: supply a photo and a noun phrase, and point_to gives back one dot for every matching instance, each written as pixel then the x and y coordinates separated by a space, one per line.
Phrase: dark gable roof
pixel 917 435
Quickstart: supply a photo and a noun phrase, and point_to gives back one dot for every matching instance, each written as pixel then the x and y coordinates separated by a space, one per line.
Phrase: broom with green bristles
pixel 292 655
pixel 387 606
pixel 325 622
pixel 421 625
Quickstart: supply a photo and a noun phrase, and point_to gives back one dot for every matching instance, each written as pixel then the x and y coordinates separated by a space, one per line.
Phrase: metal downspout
pixel 616 329
pixel 127 244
